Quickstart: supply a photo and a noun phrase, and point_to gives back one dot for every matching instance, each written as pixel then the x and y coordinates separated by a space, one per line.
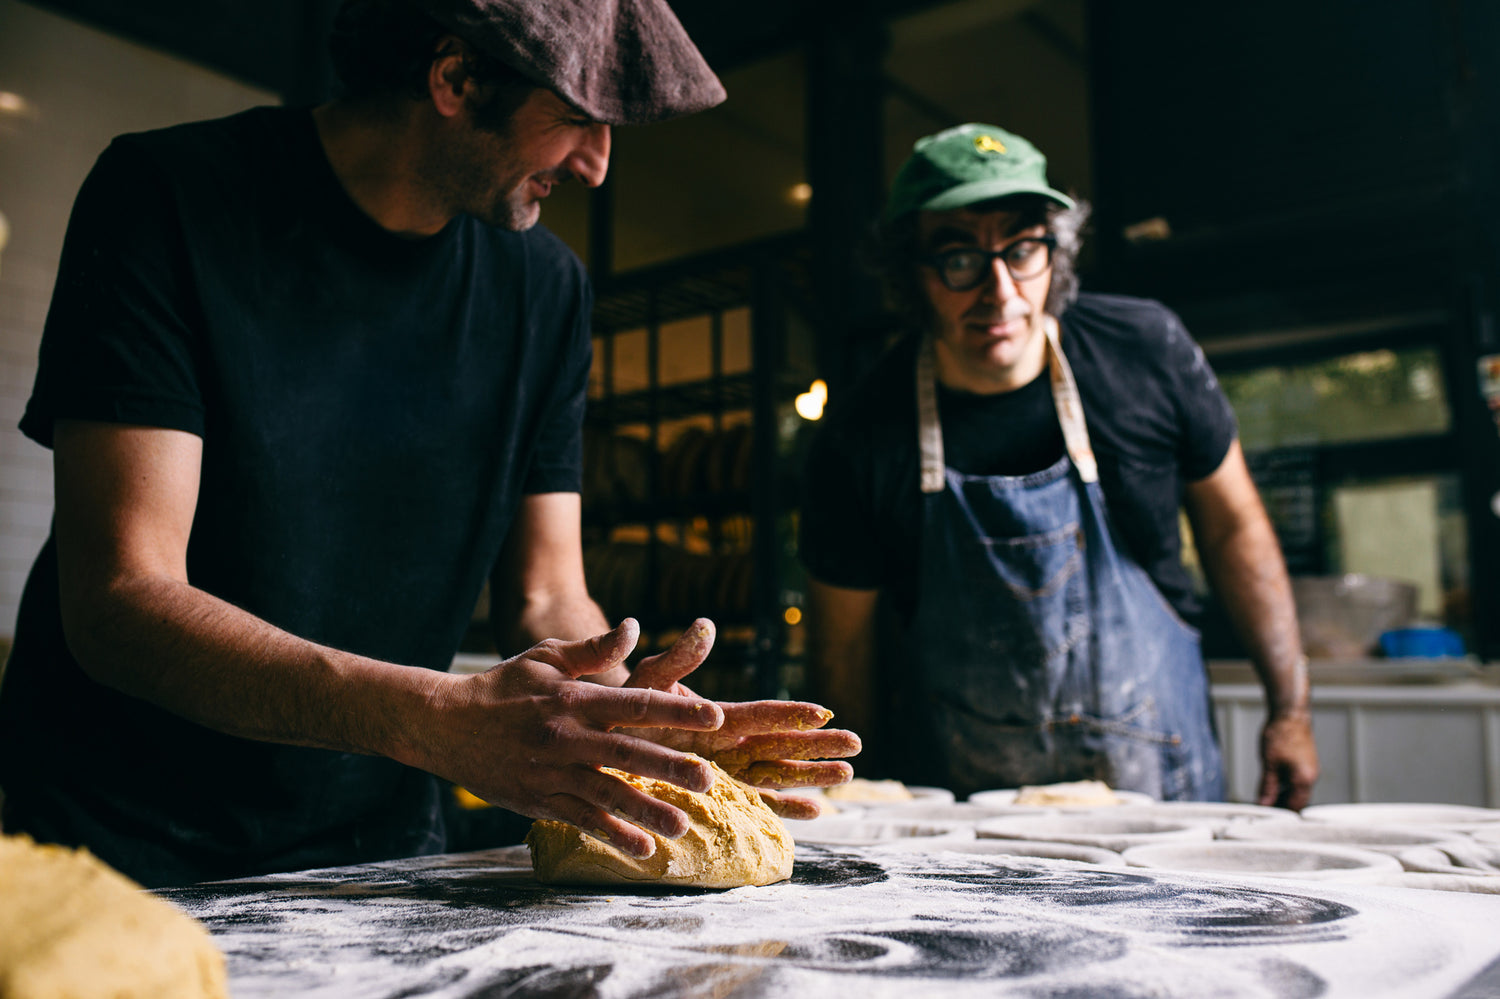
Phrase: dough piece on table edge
pixel 863 790
pixel 733 841
pixel 1074 794
pixel 72 926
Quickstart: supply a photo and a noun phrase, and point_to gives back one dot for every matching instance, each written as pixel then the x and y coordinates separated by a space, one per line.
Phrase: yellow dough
pixel 860 789
pixel 733 840
pixel 71 927
pixel 1068 794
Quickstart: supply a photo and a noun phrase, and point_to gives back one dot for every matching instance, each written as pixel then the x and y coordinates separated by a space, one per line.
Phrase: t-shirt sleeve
pixel 557 461
pixel 120 341
pixel 837 533
pixel 1204 414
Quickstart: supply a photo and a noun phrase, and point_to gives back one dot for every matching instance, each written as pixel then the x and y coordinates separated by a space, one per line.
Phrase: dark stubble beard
pixel 477 173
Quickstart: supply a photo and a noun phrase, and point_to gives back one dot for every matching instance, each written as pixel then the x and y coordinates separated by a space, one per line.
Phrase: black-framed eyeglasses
pixel 965 269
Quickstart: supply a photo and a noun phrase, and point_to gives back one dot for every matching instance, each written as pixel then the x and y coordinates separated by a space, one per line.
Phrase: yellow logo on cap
pixel 988 144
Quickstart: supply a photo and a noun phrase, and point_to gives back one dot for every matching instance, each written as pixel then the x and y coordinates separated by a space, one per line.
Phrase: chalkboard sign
pixel 1288 483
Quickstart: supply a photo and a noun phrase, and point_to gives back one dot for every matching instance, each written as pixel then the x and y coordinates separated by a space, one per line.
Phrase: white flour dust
pixel 850 922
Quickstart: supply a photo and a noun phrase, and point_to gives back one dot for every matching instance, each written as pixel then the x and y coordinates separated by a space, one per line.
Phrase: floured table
pixel 852 922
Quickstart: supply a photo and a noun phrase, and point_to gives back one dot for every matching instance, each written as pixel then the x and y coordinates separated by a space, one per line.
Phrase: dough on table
pixel 860 789
pixel 1069 794
pixel 733 840
pixel 71 927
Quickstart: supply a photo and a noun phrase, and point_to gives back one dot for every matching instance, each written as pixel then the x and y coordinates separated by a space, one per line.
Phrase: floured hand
pixel 532 735
pixel 768 745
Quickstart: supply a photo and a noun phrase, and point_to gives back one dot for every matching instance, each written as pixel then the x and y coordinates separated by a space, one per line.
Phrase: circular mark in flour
pixel 1290 980
pixel 678 924
pixel 1139 902
pixel 957 951
pixel 834 871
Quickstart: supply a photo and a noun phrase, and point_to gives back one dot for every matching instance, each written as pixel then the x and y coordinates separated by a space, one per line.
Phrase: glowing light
pixel 1152 230
pixel 792 615
pixel 810 403
pixel 800 194
pixel 12 103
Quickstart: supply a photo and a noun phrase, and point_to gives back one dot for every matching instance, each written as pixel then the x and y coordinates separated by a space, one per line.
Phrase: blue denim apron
pixel 1043 651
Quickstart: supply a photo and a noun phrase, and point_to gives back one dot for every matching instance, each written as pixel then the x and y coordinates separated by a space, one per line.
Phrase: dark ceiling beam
pixel 250 42
pixel 918 101
pixel 1060 41
pixel 280 44
pixel 733 35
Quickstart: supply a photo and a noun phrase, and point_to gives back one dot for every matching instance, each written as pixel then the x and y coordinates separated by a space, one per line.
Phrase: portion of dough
pixel 1068 794
pixel 72 927
pixel 733 840
pixel 860 789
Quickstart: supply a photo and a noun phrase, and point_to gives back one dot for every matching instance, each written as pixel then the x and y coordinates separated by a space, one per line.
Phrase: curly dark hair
pixel 892 249
pixel 384 48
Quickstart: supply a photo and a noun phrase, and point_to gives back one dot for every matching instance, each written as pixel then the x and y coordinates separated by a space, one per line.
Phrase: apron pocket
pixel 978 754
pixel 1134 752
pixel 1037 566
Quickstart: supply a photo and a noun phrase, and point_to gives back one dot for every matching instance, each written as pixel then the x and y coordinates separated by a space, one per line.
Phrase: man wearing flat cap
pixel 309 379
pixel 1006 482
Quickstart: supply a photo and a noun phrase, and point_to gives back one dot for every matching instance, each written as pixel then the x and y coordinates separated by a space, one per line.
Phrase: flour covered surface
pixel 73 927
pixel 733 841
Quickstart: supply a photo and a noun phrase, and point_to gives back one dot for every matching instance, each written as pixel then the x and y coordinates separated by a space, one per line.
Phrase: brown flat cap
pixel 623 62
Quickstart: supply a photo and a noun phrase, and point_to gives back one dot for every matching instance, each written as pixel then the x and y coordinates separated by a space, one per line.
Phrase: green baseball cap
pixel 967 164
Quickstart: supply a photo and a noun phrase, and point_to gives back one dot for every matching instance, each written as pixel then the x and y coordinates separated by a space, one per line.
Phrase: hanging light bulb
pixel 810 403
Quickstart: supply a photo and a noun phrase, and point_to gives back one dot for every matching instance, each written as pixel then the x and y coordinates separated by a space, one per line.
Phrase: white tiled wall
pixel 83 87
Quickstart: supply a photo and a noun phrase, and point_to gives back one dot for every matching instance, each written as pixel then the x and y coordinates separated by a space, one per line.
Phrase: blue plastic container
pixel 1421 643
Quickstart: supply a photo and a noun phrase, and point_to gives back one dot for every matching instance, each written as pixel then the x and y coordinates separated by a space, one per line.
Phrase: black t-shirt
pixel 372 410
pixel 1156 417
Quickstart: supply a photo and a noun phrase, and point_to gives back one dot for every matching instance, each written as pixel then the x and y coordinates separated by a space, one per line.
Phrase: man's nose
pixel 590 161
pixel 998 283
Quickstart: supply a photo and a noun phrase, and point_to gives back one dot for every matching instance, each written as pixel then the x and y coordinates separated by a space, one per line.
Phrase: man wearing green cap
pixel 310 376
pixel 1006 483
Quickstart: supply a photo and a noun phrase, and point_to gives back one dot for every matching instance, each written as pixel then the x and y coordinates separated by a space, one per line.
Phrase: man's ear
pixel 448 79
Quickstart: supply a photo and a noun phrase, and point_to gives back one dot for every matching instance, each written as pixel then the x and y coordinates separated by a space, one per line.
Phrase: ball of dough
pixel 733 840
pixel 864 790
pixel 1069 794
pixel 71 927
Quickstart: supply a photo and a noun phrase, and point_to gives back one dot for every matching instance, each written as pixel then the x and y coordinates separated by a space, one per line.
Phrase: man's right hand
pixel 530 734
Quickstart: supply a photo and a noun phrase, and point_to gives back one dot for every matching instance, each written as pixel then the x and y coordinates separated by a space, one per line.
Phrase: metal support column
pixel 767 332
pixel 845 166
pixel 1474 98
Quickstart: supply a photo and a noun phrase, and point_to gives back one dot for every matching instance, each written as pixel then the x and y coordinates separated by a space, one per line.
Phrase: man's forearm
pixel 178 647
pixel 1249 576
pixel 840 672
pixel 568 617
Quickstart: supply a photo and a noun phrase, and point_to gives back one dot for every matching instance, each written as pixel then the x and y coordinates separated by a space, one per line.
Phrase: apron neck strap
pixel 1069 406
pixel 929 432
pixel 1065 398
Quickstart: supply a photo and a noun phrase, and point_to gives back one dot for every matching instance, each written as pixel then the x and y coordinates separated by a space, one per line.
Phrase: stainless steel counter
pixel 859 922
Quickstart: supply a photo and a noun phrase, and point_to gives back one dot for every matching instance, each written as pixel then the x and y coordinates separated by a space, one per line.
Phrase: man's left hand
pixel 766 744
pixel 1289 761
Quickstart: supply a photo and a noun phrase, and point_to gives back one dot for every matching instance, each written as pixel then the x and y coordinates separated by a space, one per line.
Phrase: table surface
pixel 1410 674
pixel 865 922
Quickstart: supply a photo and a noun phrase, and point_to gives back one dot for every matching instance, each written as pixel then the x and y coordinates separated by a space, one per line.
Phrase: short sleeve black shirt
pixel 1156 417
pixel 372 410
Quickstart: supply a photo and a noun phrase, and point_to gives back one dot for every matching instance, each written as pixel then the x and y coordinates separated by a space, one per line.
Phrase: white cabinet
pixel 1427 742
